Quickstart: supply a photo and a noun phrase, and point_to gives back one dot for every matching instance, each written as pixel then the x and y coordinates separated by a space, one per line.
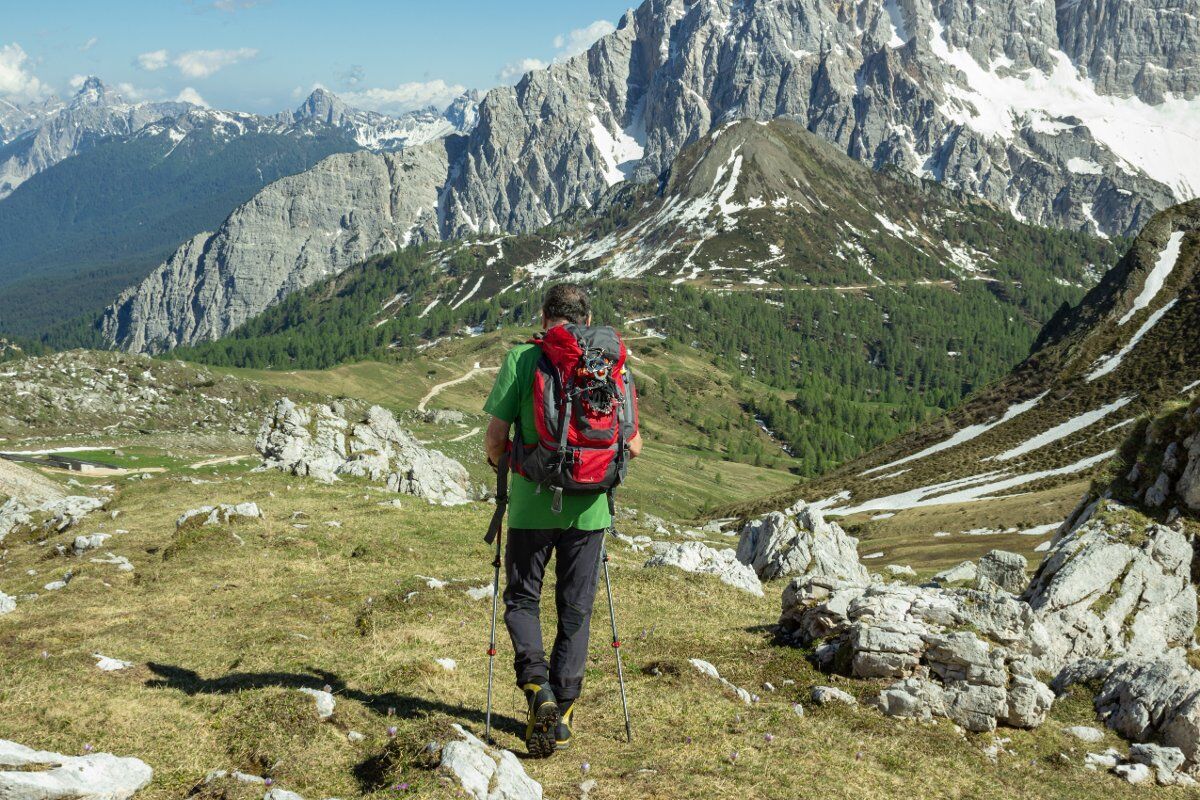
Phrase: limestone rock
pixel 325 701
pixel 1145 700
pixel 322 442
pixel 1085 733
pixel 223 514
pixel 799 544
pixel 27 774
pixel 966 572
pixel 707 669
pixel 825 695
pixel 1005 569
pixel 1115 586
pixel 700 558
pixel 7 604
pixel 485 773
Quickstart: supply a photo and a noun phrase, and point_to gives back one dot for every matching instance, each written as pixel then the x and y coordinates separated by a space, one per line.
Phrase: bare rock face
pixel 1117 584
pixel 955 653
pixel 321 442
pixel 27 486
pixel 700 558
pixel 799 543
pixel 1145 699
pixel 28 774
pixel 1005 569
pixel 298 230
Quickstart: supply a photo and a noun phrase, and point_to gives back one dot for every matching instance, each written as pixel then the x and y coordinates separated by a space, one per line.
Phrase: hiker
pixel 559 504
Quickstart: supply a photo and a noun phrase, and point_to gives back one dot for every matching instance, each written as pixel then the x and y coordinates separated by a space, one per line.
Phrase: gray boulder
pixel 27 774
pixel 966 572
pixel 799 543
pixel 700 558
pixel 485 773
pixel 322 442
pixel 7 604
pixel 1005 569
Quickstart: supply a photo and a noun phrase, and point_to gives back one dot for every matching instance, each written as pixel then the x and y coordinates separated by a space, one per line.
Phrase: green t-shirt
pixel 527 507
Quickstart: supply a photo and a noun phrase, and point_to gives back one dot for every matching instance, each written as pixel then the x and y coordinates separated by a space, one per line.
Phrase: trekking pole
pixel 495 534
pixel 612 616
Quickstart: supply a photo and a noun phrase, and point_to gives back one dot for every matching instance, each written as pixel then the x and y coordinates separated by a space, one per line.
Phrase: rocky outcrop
pixel 53 516
pixel 327 441
pixel 224 514
pixel 700 558
pixel 28 774
pixel 799 543
pixel 1144 699
pixel 1118 584
pixel 295 232
pixel 955 653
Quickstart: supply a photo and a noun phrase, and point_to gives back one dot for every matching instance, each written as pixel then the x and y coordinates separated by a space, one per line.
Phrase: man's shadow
pixel 404 705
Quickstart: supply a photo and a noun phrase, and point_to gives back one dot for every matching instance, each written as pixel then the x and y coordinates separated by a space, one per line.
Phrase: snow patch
pixel 1157 278
pixel 1109 363
pixel 1060 432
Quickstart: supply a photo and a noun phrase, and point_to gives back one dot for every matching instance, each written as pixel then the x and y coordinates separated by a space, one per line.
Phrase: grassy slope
pixel 675 477
pixel 221 634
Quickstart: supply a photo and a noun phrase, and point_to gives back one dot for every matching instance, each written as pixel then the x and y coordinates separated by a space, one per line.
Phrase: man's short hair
pixel 567 301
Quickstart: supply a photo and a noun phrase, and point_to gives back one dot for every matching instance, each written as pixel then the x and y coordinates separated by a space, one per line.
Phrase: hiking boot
pixel 564 732
pixel 543 720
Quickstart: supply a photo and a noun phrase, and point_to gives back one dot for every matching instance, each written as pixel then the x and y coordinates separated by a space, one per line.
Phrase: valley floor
pixel 222 625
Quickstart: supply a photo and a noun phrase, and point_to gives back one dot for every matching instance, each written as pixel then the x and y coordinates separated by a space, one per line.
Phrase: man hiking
pixel 573 405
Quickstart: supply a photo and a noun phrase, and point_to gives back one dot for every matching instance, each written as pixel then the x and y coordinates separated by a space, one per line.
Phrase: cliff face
pixel 296 231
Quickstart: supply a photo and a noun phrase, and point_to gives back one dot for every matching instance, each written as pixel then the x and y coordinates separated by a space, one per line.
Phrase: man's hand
pixel 635 445
pixel 496 440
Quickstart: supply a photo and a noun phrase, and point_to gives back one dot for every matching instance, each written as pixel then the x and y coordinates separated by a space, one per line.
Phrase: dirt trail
pixel 436 390
pixel 213 462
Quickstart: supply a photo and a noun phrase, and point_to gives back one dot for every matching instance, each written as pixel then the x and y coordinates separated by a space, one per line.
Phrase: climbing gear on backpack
pixel 543 720
pixel 562 736
pixel 585 411
pixel 494 534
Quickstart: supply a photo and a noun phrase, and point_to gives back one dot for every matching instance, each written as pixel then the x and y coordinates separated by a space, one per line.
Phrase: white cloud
pixel 16 81
pixel 580 39
pixel 154 60
pixel 195 63
pixel 565 45
pixel 190 95
pixel 89 44
pixel 77 81
pixel 405 97
pixel 203 63
pixel 511 73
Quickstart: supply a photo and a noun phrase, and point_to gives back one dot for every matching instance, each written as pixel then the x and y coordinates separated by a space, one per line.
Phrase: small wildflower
pixel 328 688
pixel 768 738
pixel 268 782
pixel 391 711
pixel 391 731
pixel 585 768
pixel 688 740
pixel 87 748
pixel 733 757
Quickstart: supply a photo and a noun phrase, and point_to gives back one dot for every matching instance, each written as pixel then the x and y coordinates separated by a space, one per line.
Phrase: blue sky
pixel 265 55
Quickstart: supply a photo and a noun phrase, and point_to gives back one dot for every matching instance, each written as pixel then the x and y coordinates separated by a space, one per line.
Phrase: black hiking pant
pixel 576 566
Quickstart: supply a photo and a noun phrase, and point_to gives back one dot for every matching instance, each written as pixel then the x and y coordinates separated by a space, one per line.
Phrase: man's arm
pixel 496 439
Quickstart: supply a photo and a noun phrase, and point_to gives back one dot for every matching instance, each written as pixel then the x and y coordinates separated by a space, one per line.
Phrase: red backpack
pixel 585 407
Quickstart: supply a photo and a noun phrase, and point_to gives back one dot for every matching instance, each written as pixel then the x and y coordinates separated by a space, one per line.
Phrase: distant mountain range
pixel 1026 108
pixel 108 190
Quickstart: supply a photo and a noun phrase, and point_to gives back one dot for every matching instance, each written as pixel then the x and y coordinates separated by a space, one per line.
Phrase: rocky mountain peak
pixel 323 106
pixel 94 92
